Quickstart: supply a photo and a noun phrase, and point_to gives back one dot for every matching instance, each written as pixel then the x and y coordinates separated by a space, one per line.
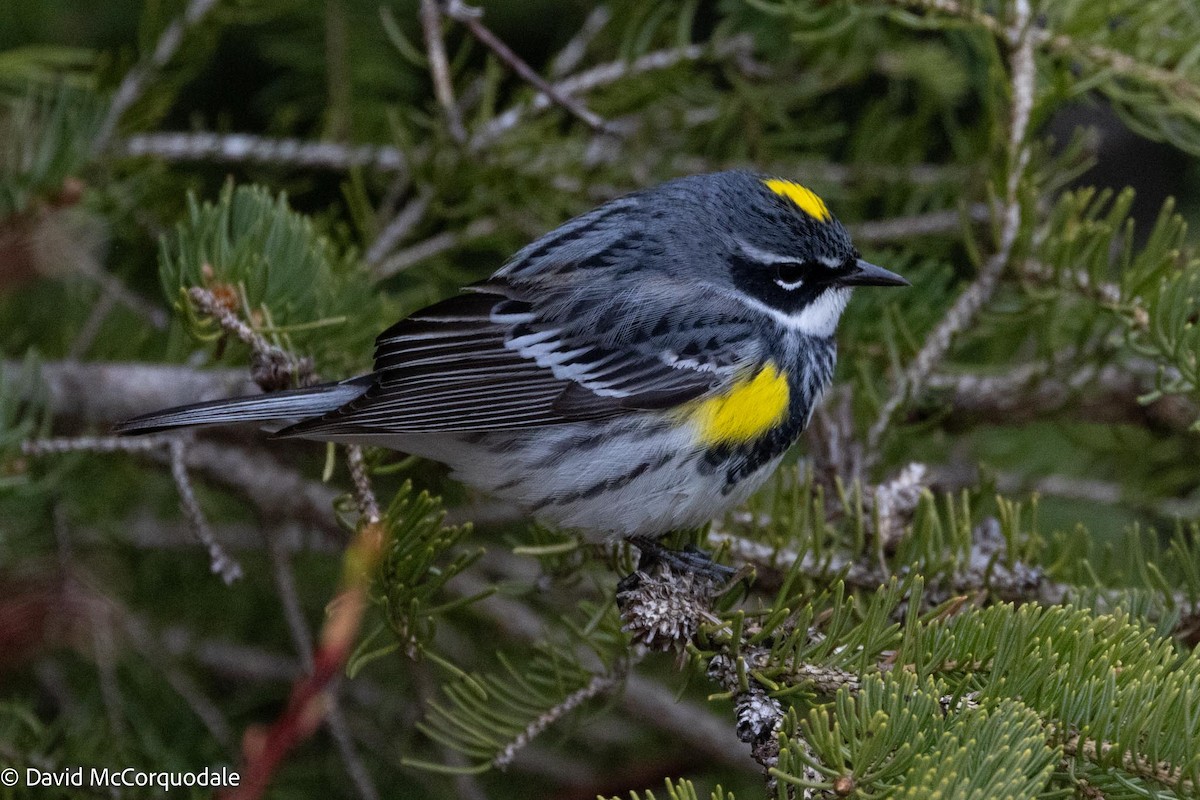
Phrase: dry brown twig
pixel 471 18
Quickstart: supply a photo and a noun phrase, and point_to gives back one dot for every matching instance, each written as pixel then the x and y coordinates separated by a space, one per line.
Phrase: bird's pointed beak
pixel 867 274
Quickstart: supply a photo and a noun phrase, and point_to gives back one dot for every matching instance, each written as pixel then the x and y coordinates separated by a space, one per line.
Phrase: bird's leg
pixel 688 560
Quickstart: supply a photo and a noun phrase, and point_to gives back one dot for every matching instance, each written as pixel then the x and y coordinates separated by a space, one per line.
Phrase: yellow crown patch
pixel 800 195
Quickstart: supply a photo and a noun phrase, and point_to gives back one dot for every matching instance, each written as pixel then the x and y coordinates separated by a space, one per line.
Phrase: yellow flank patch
pixel 802 196
pixel 750 408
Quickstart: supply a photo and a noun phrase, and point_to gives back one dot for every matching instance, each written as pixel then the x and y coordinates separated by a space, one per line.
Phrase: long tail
pixel 291 404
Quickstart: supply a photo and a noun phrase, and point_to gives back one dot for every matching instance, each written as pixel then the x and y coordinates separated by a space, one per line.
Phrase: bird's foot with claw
pixel 690 560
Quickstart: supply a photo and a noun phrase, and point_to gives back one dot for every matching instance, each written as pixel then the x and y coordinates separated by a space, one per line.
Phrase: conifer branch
pixel 574 51
pixel 1061 44
pixel 598 685
pixel 932 223
pixel 271 367
pixel 964 310
pixel 1099 752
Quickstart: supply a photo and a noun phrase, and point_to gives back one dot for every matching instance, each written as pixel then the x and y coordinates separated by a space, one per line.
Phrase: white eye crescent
pixel 789 275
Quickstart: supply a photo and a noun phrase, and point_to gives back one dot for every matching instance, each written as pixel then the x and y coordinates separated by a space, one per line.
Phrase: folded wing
pixel 490 360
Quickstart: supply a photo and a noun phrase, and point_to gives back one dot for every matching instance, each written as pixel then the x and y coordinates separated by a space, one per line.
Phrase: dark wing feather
pixel 487 361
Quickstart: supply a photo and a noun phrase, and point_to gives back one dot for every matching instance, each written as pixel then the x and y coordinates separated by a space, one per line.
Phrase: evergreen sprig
pixel 275 269
pixel 488 716
pixel 45 138
pixel 416 566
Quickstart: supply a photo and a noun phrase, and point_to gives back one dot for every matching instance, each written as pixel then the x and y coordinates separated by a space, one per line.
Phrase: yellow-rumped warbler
pixel 639 369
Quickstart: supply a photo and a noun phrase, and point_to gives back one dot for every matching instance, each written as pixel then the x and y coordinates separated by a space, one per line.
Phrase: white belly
pixel 608 479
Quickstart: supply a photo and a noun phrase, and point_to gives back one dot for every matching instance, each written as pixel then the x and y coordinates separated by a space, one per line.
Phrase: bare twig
pixel 469 16
pixel 220 561
pixel 134 83
pixel 245 148
pixel 275 490
pixel 439 67
pixel 604 75
pixel 1108 393
pixel 572 54
pixel 109 392
pixel 930 224
pixel 401 225
pixel 145 531
pixel 289 599
pixel 964 310
pixel 337 71
pixel 101 308
pixel 335 720
pixel 209 714
pixel 222 564
pixel 368 505
pixel 410 256
pixel 112 287
pixel 339 729
pixel 94 444
pixel 954 477
pixel 266 748
pixel 237 148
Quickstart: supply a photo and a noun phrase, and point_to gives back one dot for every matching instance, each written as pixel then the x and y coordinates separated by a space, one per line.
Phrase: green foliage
pixel 272 266
pixel 22 417
pixel 680 790
pixel 1025 627
pixel 1149 78
pixel 896 738
pixel 45 137
pixel 483 714
pixel 411 579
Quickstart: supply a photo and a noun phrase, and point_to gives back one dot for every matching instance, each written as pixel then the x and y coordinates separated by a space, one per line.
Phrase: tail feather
pixel 290 404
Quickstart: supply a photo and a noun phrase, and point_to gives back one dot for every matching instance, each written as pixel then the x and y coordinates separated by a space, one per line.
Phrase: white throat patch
pixel 819 318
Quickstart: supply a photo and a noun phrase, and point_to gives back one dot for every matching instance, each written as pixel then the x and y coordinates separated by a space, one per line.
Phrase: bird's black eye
pixel 790 274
